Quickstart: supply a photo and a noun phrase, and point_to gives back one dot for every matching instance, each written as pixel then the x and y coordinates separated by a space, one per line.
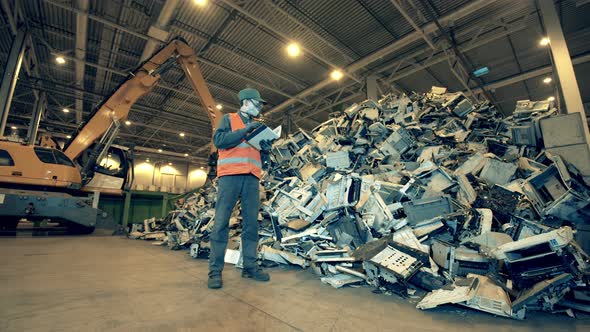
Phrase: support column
pixel 80 53
pixel 571 142
pixel 372 93
pixel 563 62
pixel 126 210
pixel 95 199
pixel 10 76
pixel 164 204
pixel 289 120
pixel 40 106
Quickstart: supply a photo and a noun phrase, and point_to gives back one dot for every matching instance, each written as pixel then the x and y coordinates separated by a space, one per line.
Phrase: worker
pixel 239 168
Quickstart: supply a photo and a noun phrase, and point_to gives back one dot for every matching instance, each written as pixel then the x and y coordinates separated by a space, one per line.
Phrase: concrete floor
pixel 96 283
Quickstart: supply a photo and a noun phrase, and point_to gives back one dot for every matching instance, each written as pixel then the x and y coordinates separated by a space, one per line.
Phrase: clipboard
pixel 263 133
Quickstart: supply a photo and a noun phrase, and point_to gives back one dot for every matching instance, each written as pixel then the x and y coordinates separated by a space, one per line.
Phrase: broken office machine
pixel 428 196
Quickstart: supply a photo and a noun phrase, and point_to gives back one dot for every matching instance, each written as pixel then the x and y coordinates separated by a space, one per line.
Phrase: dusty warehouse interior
pixel 312 165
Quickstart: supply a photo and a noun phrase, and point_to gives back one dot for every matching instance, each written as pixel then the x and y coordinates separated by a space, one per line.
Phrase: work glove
pixel 250 127
pixel 265 146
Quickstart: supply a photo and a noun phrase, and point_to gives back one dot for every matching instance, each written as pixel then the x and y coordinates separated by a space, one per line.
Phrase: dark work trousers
pixel 230 188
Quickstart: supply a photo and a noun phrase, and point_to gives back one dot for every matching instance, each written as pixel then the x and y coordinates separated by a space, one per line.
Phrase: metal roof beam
pixel 159 30
pixel 139 124
pixel 120 73
pixel 29 64
pixel 10 75
pixel 275 7
pixel 213 38
pixel 72 126
pixel 146 37
pixel 285 38
pixel 439 57
pixel 13 23
pixel 463 64
pixel 580 59
pixel 110 41
pixel 334 103
pixel 414 25
pixel 142 109
pixel 235 50
pixel 464 11
pixel 585 58
pixel 99 19
pixel 249 80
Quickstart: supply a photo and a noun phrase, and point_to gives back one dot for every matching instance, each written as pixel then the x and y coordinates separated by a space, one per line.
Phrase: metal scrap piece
pixel 517 251
pixel 472 165
pixel 491 298
pixel 297 224
pixel 545 294
pixel 397 262
pixel 281 256
pixel 497 172
pixel 338 160
pixel 341 280
pixel 551 192
pixel 356 273
pixel 427 208
pixel 467 194
pixel 462 290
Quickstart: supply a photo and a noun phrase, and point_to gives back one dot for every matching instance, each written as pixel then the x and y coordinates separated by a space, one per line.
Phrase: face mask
pixel 251 108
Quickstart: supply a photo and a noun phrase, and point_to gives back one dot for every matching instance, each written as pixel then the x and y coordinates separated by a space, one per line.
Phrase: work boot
pixel 256 274
pixel 215 281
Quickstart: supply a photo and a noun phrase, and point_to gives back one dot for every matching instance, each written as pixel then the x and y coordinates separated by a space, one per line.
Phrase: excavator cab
pixel 112 174
pixel 36 167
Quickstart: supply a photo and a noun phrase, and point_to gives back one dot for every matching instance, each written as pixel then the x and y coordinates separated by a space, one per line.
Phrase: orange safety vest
pixel 241 159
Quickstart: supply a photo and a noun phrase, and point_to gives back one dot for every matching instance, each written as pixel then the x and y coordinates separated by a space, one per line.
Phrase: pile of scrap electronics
pixel 430 197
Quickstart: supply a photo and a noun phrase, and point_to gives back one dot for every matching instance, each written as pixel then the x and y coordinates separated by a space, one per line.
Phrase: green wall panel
pixel 113 206
pixel 144 205
pixel 144 208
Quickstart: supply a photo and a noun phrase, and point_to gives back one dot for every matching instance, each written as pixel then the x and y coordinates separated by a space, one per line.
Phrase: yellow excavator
pixel 40 183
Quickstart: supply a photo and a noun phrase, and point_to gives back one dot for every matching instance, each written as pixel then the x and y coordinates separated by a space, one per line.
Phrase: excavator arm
pixel 116 107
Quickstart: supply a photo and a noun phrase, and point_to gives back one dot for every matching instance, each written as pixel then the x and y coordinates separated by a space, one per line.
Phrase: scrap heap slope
pixel 427 196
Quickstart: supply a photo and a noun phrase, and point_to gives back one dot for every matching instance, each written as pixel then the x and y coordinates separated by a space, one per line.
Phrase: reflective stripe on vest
pixel 242 159
pixel 238 160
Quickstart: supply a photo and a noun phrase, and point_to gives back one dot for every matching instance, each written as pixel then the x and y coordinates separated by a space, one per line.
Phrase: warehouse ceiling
pixel 242 44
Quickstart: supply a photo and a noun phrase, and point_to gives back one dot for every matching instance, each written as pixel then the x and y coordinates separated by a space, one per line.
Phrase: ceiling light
pixel 293 50
pixel 202 167
pixel 481 71
pixel 147 160
pixel 336 75
pixel 551 98
pixel 547 80
pixel 60 60
pixel 66 110
pixel 181 134
pixel 169 164
pixel 127 123
pixel 186 154
pixel 110 155
pixel 544 41
pixel 13 128
pixel 159 150
pixel 69 136
pixel 200 3
pixel 219 106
